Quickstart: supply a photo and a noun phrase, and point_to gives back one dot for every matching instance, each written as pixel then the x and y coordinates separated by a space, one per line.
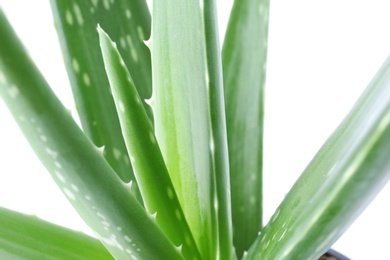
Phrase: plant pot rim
pixel 336 254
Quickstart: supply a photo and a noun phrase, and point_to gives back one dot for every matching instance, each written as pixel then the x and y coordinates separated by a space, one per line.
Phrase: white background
pixel 322 54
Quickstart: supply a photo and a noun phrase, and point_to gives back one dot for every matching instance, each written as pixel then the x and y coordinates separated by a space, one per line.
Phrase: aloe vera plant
pixel 169 162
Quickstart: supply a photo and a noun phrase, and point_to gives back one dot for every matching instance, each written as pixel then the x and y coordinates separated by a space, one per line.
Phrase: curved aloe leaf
pixel 84 176
pixel 27 237
pixel 341 180
pixel 244 57
pixel 128 22
pixel 149 167
pixel 189 117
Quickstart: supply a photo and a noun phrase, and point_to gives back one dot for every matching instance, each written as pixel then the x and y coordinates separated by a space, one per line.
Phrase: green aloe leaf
pixel 341 180
pixel 128 22
pixel 27 237
pixel 244 57
pixel 97 193
pixel 189 118
pixel 149 167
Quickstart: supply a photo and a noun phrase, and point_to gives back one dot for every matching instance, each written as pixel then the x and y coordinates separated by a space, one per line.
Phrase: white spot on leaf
pixel 127 239
pixel 58 165
pixel 284 233
pixel 117 153
pixel 178 214
pixel 100 215
pixel 261 9
pixel 13 91
pixel 43 138
pixel 69 194
pixel 68 17
pixel 86 80
pixel 133 52
pixel 105 223
pixel 95 2
pixel 170 192
pixel 253 176
pixel 122 43
pixel 106 4
pixel 74 187
pixel 75 65
pixel 52 153
pixel 140 33
pixel 79 15
pixel 128 14
pixel 60 177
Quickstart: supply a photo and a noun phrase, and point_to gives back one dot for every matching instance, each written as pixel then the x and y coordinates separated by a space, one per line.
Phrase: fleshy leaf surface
pixel 149 167
pixel 341 180
pixel 244 56
pixel 128 22
pixel 75 163
pixel 28 237
pixel 188 108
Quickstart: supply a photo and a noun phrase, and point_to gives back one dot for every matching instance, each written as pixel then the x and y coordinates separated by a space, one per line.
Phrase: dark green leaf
pixel 128 22
pixel 100 197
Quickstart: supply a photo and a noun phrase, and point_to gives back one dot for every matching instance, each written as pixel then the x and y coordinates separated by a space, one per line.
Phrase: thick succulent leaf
pixel 82 173
pixel 189 117
pixel 244 58
pixel 27 237
pixel 149 167
pixel 341 180
pixel 128 22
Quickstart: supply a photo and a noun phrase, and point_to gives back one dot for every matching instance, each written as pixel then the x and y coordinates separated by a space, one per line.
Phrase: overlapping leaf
pixel 84 176
pixel 149 168
pixel 189 117
pixel 128 22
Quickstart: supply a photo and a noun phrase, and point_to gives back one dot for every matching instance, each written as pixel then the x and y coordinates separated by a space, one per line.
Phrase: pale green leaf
pixel 341 180
pixel 27 237
pixel 189 117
